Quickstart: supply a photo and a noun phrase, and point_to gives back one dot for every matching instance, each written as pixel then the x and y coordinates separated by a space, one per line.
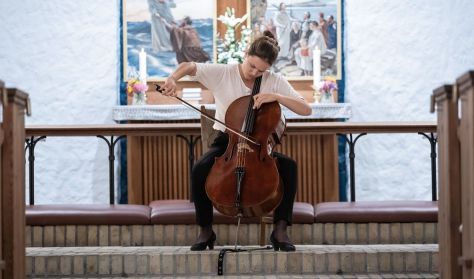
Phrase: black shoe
pixel 282 246
pixel 203 245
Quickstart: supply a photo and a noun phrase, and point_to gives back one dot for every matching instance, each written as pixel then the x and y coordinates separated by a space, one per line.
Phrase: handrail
pixel 361 127
pixel 316 128
pixel 111 129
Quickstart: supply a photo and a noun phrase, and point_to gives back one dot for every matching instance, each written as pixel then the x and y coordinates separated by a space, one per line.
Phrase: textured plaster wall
pixel 397 52
pixel 65 55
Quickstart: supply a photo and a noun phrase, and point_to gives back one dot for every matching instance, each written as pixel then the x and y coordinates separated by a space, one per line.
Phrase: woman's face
pixel 253 67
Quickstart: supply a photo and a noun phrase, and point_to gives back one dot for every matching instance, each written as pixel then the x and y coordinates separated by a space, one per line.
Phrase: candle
pixel 142 66
pixel 316 67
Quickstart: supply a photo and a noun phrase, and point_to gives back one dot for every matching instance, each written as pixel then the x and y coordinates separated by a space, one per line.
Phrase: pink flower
pixel 139 87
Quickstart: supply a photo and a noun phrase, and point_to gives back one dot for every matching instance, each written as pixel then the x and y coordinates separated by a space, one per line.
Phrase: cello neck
pixel 206 115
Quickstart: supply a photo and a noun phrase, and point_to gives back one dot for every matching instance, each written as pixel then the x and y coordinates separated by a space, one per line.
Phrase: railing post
pixel 191 143
pixel 449 213
pixel 30 146
pixel 351 142
pixel 465 85
pixel 111 145
pixel 433 140
pixel 13 183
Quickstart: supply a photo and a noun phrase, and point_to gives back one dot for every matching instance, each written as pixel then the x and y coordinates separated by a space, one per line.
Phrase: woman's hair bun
pixel 270 36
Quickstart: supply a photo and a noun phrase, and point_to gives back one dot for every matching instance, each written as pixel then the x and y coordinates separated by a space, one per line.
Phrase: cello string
pixel 250 116
pixel 159 89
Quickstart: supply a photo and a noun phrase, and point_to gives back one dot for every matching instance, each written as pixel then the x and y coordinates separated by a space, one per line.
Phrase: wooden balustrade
pixel 12 191
pixel 455 108
pixel 2 261
pixel 465 85
pixel 160 169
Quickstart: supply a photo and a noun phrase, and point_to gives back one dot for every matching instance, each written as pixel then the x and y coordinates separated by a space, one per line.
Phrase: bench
pixel 376 212
pixel 87 214
pixel 172 222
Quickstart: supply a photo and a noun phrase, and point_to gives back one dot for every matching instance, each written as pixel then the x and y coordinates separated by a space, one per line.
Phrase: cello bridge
pixel 242 146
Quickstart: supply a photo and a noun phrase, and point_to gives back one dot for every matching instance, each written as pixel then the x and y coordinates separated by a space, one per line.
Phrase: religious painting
pixel 169 32
pixel 308 33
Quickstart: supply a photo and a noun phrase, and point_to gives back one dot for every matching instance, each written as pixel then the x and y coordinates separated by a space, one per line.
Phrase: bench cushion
pixel 183 212
pixel 87 214
pixel 376 212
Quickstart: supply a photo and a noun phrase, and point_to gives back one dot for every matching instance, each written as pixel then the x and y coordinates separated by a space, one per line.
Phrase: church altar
pixel 181 112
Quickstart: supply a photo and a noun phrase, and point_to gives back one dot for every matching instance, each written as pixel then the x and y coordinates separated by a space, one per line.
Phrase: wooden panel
pixel 449 214
pixel 466 137
pixel 163 165
pixel 13 185
pixel 165 168
pixel 2 262
pixel 316 157
pixel 135 169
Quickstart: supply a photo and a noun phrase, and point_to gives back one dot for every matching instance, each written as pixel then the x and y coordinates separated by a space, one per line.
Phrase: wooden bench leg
pixel 263 223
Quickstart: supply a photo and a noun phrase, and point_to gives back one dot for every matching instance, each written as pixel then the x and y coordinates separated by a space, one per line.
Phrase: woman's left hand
pixel 262 98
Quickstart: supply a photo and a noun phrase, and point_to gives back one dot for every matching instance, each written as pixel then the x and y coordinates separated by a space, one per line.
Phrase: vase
pixel 326 97
pixel 139 99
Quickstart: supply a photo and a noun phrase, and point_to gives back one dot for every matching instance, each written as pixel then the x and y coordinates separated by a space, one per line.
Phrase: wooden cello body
pixel 244 181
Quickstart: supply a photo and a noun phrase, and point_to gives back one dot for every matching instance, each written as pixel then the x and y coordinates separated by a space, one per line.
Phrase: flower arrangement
pixel 230 50
pixel 134 85
pixel 327 90
pixel 137 90
pixel 328 86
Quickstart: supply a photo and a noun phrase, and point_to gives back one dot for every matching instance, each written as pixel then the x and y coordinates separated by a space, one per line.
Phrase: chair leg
pixel 262 232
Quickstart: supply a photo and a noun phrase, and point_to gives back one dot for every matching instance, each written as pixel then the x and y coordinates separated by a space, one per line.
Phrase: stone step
pixel 289 276
pixel 185 235
pixel 310 260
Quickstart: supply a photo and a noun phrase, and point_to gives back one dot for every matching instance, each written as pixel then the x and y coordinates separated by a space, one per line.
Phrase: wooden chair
pixel 208 135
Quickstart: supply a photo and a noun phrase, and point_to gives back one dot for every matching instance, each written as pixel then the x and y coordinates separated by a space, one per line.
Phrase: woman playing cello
pixel 227 83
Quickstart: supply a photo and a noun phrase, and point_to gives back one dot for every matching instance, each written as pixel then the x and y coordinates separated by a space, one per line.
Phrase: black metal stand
pixel 30 146
pixel 191 142
pixel 433 140
pixel 111 145
pixel 351 142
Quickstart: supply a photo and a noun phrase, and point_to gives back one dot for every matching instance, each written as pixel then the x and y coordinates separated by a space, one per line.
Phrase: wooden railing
pixel 12 190
pixel 455 108
pixel 346 129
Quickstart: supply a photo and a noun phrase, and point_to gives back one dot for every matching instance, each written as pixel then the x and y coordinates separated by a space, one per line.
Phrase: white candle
pixel 142 66
pixel 316 67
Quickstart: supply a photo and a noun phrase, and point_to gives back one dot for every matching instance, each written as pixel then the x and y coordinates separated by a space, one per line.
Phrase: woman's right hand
pixel 169 88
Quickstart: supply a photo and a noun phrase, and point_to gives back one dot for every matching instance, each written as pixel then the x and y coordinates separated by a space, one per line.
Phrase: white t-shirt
pixel 226 85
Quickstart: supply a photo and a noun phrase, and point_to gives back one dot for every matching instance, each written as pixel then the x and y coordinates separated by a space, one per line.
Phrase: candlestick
pixel 142 66
pixel 316 67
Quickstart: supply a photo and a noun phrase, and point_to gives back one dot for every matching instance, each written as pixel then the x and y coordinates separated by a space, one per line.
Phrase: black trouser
pixel 286 169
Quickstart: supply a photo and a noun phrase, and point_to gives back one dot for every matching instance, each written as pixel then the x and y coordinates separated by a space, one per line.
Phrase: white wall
pixel 64 53
pixel 397 52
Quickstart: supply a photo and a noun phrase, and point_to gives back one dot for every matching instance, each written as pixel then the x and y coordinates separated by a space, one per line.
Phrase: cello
pixel 244 181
